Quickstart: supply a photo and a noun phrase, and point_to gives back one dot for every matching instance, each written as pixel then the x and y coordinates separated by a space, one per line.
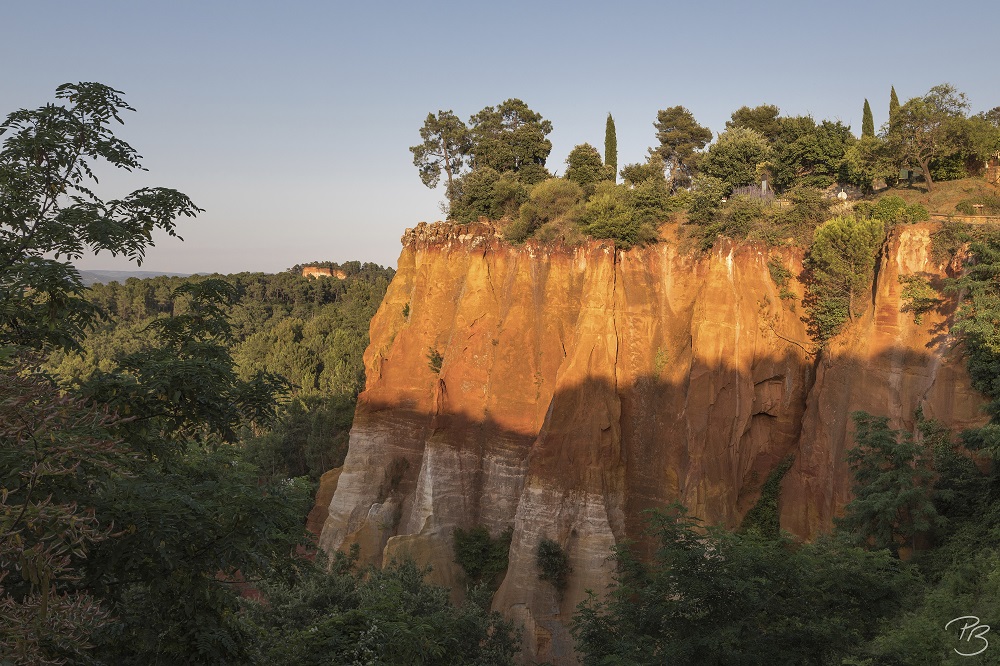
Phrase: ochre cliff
pixel 323 271
pixel 580 386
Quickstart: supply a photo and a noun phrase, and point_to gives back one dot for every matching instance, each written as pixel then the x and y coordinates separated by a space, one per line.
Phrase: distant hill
pixel 104 277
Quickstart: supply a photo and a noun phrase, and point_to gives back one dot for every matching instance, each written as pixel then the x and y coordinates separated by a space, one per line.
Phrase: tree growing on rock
pixel 842 264
pixel 445 147
pixel 680 138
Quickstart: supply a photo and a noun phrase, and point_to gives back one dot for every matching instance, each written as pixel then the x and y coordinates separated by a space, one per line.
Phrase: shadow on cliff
pixel 706 435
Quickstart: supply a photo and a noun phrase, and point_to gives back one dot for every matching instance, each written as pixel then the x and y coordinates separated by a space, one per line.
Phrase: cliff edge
pixel 563 390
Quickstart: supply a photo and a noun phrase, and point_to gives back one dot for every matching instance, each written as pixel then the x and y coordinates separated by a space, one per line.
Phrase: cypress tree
pixel 893 104
pixel 611 146
pixel 867 122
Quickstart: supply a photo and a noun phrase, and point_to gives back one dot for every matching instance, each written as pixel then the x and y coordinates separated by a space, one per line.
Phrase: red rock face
pixel 579 386
pixel 319 271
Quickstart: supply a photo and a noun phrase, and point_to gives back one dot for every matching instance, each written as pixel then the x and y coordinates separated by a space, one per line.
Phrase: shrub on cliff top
pixel 485 192
pixel 551 200
pixel 754 218
pixel 611 213
pixel 707 194
pixel 892 210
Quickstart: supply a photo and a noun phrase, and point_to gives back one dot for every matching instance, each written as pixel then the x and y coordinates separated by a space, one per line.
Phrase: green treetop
pixel 928 128
pixel 893 486
pixel 737 157
pixel 611 146
pixel 511 137
pixel 867 122
pixel 680 136
pixel 584 166
pixel 893 104
pixel 842 261
pixel 446 144
pixel 708 596
pixel 808 153
pixel 763 119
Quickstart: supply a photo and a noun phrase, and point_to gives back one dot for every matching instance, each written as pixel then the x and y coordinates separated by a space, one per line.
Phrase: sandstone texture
pixel 579 386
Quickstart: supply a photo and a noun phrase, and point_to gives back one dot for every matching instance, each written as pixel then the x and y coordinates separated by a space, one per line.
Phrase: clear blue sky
pixel 290 122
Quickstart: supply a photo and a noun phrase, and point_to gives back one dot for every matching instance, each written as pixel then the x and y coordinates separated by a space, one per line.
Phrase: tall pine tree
pixel 867 122
pixel 893 104
pixel 611 146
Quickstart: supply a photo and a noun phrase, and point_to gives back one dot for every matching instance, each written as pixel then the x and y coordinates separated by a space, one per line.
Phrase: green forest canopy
pixel 495 161
pixel 147 453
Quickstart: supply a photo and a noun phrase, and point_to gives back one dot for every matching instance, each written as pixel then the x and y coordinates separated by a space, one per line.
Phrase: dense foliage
pixel 934 133
pixel 738 157
pixel 867 121
pixel 56 453
pixel 842 264
pixel 553 564
pixel 893 478
pixel 49 214
pixel 680 137
pixel 979 321
pixel 748 216
pixel 481 556
pixel 386 616
pixel 585 168
pixel 930 137
pixel 154 434
pixel 557 202
pixel 311 332
pixel 146 461
pixel 710 596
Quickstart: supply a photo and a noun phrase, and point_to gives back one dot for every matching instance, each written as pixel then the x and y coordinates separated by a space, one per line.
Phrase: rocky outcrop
pixel 323 271
pixel 564 390
pixel 324 495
